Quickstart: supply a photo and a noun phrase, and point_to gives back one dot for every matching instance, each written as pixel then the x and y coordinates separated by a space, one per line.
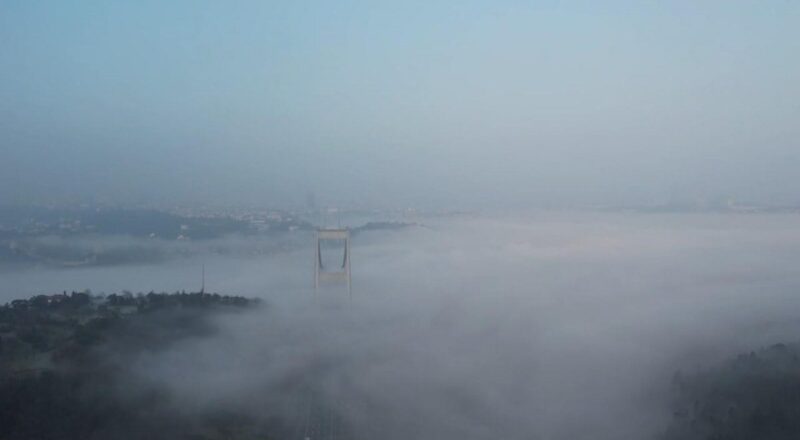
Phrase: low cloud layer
pixel 555 327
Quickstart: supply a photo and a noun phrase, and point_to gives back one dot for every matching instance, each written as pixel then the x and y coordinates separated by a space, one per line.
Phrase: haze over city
pixel 422 220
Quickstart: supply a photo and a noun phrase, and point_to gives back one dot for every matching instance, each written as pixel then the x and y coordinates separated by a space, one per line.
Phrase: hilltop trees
pixel 754 396
pixel 63 356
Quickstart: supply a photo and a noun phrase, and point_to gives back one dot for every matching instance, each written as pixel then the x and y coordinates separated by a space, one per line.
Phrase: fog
pixel 596 195
pixel 551 326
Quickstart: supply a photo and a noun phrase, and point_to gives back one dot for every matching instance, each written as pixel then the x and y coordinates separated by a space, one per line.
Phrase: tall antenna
pixel 203 285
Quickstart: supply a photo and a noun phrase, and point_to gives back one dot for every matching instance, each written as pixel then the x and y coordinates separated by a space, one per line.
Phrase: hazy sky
pixel 417 103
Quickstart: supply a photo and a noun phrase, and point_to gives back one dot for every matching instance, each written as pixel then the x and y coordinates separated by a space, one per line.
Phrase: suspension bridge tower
pixel 339 273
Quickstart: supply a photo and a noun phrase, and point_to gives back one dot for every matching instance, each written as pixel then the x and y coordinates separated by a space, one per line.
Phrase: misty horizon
pixel 420 220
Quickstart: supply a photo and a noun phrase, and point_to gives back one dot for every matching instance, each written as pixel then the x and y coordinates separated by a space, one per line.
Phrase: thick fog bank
pixel 552 327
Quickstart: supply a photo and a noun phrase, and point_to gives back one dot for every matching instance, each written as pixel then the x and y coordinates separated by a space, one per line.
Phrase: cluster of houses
pixel 44 301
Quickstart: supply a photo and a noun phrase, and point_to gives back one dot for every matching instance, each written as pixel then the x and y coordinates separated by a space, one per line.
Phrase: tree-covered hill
pixel 64 367
pixel 755 396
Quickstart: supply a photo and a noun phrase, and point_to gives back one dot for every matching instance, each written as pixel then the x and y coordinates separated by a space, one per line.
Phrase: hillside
pixel 753 396
pixel 65 367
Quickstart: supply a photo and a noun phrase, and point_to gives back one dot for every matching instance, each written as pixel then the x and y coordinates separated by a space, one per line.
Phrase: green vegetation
pixel 65 368
pixel 754 396
pixel 383 226
pixel 84 237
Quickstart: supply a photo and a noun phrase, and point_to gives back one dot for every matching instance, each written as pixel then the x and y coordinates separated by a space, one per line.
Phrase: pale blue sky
pixel 418 103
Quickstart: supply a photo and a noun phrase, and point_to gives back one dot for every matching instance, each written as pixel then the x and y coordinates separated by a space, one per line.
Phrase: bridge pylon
pixel 338 274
